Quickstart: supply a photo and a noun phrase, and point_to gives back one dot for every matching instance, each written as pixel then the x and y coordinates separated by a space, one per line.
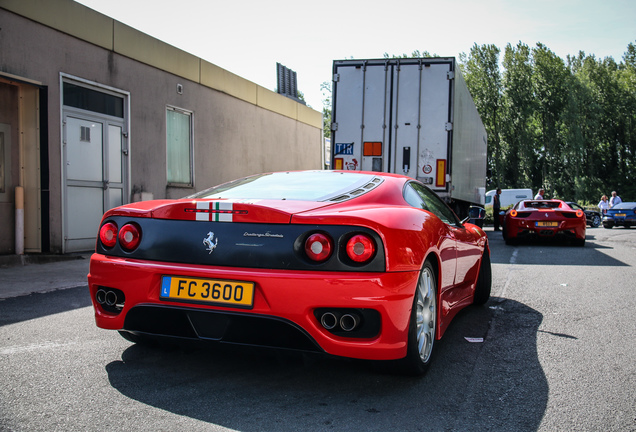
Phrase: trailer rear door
pixel 393 116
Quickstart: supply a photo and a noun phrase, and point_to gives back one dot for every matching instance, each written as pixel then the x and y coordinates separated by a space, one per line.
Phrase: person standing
pixel 603 204
pixel 539 195
pixel 496 208
pixel 615 199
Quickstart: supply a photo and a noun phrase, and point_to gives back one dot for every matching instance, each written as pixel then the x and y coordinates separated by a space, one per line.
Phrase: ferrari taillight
pixel 579 213
pixel 513 213
pixel 108 234
pixel 360 248
pixel 318 247
pixel 129 236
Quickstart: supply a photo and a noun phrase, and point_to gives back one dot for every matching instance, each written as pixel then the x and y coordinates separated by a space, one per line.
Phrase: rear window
pixel 542 204
pixel 624 206
pixel 295 185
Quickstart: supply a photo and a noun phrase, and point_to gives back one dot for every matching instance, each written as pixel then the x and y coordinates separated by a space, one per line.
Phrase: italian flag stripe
pixel 202 216
pixel 222 206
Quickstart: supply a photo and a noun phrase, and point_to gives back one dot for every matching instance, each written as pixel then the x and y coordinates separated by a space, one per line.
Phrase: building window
pixel 85 134
pixel 179 147
pixel 92 100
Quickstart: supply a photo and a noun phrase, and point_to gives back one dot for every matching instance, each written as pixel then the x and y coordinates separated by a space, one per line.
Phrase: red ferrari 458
pixel 356 264
pixel 544 219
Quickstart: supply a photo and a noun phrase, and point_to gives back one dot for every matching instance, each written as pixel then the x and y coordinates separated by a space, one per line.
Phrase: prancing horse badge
pixel 210 242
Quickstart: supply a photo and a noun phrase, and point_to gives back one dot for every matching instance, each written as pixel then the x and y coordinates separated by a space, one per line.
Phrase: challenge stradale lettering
pixel 267 234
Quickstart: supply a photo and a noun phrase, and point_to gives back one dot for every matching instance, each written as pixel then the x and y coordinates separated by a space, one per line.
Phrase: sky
pixel 248 37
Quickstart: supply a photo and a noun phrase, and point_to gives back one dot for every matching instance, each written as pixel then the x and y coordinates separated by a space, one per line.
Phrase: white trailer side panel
pixel 469 147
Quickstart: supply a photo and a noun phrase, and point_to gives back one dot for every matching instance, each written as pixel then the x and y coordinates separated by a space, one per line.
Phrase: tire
pixel 579 242
pixel 607 226
pixel 484 281
pixel 596 221
pixel 509 241
pixel 422 325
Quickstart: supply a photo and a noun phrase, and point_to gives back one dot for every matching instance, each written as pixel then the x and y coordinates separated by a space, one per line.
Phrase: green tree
pixel 549 83
pixel 518 105
pixel 414 54
pixel 627 88
pixel 584 119
pixel 325 88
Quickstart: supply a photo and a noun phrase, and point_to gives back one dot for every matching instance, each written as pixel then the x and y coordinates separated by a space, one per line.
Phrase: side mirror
pixel 475 215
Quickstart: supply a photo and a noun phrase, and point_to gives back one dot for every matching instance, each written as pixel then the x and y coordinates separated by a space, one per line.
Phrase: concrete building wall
pixel 239 127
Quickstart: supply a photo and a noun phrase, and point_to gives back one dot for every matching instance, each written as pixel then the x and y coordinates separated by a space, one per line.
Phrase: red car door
pixel 468 256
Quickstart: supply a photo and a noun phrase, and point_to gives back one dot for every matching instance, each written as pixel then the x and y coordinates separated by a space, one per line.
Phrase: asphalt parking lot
pixel 551 351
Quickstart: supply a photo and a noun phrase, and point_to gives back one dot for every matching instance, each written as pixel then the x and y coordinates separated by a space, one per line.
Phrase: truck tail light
pixel 440 177
pixel 108 234
pixel 360 248
pixel 318 247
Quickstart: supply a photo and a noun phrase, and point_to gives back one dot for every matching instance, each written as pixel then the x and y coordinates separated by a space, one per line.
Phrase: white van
pixel 509 196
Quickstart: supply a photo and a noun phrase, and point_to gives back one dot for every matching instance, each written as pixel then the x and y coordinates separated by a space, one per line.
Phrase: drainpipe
pixel 19 220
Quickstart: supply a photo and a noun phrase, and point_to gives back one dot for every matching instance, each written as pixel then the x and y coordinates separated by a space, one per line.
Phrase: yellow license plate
pixel 620 214
pixel 223 292
pixel 547 224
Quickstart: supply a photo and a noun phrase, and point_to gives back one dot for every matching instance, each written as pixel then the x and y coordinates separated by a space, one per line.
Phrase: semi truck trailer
pixel 414 117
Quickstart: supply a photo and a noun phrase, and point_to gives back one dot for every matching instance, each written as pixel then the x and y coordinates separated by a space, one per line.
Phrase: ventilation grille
pixel 357 192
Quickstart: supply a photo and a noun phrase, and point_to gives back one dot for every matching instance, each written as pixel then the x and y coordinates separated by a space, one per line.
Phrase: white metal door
pixel 95 175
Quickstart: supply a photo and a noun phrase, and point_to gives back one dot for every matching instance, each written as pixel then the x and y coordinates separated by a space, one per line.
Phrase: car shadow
pixel 482 385
pixel 37 305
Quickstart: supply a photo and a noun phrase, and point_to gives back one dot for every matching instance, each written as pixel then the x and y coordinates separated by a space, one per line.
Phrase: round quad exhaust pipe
pixel 111 298
pixel 106 297
pixel 349 322
pixel 100 296
pixel 329 320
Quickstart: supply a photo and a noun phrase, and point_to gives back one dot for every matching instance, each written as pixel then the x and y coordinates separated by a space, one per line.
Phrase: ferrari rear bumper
pixel 218 326
pixel 286 312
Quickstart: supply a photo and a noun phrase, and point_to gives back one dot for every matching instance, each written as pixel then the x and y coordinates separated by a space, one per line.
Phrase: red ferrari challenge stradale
pixel 545 219
pixel 354 264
